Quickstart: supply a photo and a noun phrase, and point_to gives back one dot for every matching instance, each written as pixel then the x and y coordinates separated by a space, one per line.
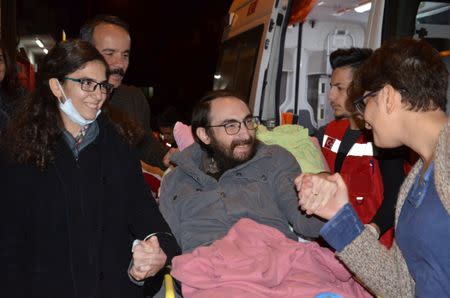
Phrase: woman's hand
pixel 148 259
pixel 322 195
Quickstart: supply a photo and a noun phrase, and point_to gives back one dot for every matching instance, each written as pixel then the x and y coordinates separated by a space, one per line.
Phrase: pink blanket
pixel 255 260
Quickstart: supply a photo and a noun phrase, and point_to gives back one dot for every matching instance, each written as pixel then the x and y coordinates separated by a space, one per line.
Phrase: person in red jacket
pixel 373 177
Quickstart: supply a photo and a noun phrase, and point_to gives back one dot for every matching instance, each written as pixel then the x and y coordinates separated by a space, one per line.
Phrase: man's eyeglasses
pixel 360 103
pixel 90 85
pixel 233 127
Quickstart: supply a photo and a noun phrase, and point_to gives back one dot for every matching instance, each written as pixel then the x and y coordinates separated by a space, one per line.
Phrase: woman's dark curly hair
pixel 34 132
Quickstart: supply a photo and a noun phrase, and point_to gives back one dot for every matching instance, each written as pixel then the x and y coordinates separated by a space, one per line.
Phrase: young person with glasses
pixel 73 195
pixel 403 87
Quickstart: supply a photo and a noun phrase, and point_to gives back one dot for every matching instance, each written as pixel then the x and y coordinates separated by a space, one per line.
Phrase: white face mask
pixel 68 108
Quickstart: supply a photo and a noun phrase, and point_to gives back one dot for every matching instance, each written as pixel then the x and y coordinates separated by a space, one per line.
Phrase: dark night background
pixel 175 44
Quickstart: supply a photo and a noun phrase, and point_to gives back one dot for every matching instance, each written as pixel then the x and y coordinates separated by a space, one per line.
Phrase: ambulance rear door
pixel 248 63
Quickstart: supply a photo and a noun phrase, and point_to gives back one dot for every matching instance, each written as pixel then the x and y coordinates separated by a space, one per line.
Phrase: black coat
pixel 67 231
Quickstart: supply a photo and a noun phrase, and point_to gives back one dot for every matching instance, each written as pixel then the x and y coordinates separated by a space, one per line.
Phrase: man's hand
pixel 322 195
pixel 148 259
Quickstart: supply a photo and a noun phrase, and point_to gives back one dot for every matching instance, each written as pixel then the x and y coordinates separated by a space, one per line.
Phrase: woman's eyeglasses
pixel 360 103
pixel 90 85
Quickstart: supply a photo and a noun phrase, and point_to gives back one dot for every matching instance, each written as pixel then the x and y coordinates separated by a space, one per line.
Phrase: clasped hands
pixel 148 259
pixel 321 194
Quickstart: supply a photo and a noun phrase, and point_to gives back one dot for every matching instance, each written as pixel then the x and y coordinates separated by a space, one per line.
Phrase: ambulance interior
pixel 329 26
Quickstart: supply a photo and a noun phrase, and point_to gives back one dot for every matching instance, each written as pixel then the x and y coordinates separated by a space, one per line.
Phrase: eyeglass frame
pixel 359 103
pixel 109 87
pixel 254 120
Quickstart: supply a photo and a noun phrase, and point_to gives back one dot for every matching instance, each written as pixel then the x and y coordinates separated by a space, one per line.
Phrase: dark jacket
pixel 67 231
pixel 201 209
pixel 131 101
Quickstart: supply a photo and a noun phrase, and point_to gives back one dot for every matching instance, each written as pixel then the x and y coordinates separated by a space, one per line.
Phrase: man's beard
pixel 224 157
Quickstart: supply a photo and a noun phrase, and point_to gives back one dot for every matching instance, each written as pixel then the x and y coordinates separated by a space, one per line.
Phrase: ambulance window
pixel 433 25
pixel 237 62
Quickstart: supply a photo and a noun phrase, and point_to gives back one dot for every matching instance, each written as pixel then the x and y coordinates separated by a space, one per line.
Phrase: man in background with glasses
pixel 227 175
pixel 373 177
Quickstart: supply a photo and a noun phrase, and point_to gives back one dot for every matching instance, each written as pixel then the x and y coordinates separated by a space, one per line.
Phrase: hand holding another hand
pixel 148 259
pixel 321 195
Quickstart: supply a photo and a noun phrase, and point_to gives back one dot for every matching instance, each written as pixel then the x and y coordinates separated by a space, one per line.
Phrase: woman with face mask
pixel 73 195
pixel 401 91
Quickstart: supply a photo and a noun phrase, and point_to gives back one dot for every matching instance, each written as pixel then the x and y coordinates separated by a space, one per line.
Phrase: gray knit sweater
pixel 384 271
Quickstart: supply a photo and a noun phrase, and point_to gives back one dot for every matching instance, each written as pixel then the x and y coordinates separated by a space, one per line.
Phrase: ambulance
pixel 275 53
